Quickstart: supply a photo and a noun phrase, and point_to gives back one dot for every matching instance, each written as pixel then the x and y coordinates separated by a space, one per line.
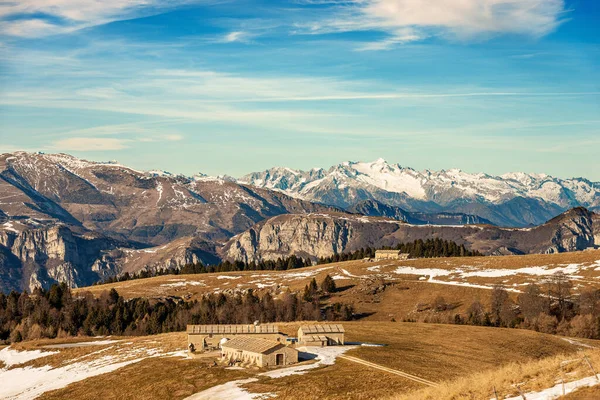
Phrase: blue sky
pixel 229 87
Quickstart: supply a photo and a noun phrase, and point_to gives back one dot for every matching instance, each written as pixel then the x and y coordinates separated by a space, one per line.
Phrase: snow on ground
pixel 183 284
pixel 81 344
pixel 578 343
pixel 228 277
pixel 24 383
pixel 12 357
pixel 556 391
pixel 233 390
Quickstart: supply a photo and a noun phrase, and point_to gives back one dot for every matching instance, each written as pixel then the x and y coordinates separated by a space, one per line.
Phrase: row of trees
pixel 429 248
pixel 57 313
pixel 550 308
pixel 280 264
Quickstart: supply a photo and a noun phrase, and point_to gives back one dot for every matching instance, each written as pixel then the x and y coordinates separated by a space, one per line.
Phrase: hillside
pixel 513 199
pixel 326 234
pixel 154 366
pixel 64 219
pixel 383 290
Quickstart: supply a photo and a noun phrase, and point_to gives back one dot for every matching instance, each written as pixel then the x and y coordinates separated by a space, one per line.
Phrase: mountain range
pixel 513 199
pixel 63 219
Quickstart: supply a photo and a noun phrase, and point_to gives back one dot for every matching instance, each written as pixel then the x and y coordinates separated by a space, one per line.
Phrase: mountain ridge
pixel 487 196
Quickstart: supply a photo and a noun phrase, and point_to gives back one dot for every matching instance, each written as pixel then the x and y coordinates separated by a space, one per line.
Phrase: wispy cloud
pixel 62 16
pixel 91 144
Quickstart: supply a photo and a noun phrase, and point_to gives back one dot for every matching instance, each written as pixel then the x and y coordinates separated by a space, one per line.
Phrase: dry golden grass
pixel 154 378
pixel 435 352
pixel 155 287
pixel 529 376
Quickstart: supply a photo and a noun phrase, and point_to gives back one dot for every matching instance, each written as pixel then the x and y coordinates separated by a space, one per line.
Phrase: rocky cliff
pixel 31 258
pixel 322 235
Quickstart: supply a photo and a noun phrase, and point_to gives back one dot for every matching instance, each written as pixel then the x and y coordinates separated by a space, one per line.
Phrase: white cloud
pixel 71 15
pixel 468 18
pixel 236 36
pixel 91 144
pixel 412 20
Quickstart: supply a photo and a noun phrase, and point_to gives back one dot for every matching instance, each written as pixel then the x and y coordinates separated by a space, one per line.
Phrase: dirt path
pixel 390 370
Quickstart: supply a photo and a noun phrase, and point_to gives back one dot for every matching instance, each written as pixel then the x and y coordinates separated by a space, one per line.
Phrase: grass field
pixel 411 283
pixel 440 353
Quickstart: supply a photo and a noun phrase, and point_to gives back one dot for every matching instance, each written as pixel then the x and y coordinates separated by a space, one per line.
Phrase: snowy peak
pixel 350 182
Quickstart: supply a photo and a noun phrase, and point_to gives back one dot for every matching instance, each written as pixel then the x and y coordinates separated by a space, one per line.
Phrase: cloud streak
pixel 63 16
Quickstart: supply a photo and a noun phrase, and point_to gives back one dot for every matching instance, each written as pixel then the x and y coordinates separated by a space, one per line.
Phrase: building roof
pixel 235 329
pixel 324 328
pixel 387 251
pixel 252 344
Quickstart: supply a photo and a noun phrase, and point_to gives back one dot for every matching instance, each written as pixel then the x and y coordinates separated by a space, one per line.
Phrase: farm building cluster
pixel 381 255
pixel 260 345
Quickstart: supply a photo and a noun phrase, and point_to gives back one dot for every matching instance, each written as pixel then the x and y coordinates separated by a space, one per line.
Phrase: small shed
pixel 321 335
pixel 390 255
pixel 256 351
pixel 204 337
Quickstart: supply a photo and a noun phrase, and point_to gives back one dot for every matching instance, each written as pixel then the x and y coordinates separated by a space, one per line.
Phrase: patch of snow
pixel 81 344
pixel 183 284
pixel 12 357
pixel 556 391
pixel 228 277
pixel 578 343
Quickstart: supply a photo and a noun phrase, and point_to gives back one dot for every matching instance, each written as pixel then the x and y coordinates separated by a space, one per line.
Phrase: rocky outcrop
pixel 323 235
pixel 39 257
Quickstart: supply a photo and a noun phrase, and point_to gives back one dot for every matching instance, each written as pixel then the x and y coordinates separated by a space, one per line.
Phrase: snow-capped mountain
pixel 511 199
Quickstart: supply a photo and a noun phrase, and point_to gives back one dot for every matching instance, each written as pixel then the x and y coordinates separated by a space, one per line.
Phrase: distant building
pixel 250 350
pixel 208 337
pixel 321 335
pixel 390 255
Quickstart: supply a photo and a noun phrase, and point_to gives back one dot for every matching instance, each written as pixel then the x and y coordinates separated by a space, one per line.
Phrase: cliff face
pixel 39 257
pixel 323 235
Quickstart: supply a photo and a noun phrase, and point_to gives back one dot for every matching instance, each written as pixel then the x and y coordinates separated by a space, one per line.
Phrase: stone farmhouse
pixel 390 255
pixel 209 337
pixel 321 335
pixel 252 350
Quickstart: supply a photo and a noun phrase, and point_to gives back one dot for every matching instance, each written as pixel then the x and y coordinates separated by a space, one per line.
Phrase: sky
pixel 235 86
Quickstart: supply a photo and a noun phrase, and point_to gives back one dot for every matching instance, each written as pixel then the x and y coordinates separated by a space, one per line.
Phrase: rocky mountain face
pixel 38 256
pixel 373 208
pixel 43 194
pixel 514 199
pixel 323 235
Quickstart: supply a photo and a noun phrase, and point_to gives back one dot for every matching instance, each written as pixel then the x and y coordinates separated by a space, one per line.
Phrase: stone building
pixel 390 255
pixel 251 350
pixel 208 337
pixel 321 335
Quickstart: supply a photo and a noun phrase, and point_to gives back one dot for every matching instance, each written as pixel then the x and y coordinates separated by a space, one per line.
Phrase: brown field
pixel 440 353
pixel 458 280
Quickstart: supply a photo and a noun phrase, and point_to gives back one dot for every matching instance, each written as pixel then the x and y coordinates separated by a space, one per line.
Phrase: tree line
pixel 281 264
pixel 58 313
pixel 430 248
pixel 549 308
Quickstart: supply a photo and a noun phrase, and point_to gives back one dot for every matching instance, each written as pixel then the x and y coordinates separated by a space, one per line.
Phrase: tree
pixel 560 289
pixel 328 285
pixel 532 303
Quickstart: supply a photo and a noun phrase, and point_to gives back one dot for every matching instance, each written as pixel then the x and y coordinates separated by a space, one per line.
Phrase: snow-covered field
pixel 23 382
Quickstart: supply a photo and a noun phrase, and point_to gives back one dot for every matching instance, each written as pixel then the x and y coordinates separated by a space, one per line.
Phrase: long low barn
pixel 249 350
pixel 321 335
pixel 204 337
